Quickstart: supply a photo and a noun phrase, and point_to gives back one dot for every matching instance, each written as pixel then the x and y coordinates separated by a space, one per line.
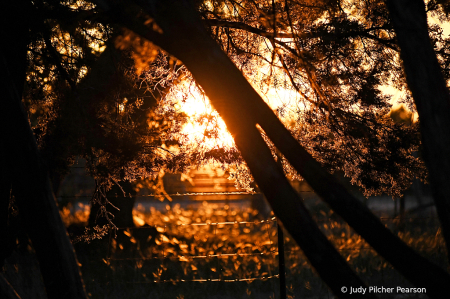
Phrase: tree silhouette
pixel 243 110
pixel 322 65
pixel 80 103
pixel 24 172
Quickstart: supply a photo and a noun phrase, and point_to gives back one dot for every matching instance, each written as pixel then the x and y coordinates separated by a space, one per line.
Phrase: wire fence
pixel 267 247
pixel 269 250
pixel 174 194
pixel 177 249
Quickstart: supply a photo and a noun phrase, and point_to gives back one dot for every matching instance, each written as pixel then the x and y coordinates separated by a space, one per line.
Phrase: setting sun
pixel 205 127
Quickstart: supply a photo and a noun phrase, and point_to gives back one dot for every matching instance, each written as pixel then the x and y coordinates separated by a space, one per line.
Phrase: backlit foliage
pixel 332 59
pixel 87 99
pixel 321 65
pixel 144 52
pixel 176 243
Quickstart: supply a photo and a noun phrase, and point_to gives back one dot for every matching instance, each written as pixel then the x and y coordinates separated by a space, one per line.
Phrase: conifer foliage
pixel 91 78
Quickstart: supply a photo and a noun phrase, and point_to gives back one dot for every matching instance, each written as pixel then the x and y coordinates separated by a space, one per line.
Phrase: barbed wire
pixel 264 278
pixel 223 255
pixel 173 194
pixel 186 257
pixel 267 249
pixel 180 194
pixel 256 222
pixel 273 219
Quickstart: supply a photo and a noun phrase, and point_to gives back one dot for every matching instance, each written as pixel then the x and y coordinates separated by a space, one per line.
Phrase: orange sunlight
pixel 205 127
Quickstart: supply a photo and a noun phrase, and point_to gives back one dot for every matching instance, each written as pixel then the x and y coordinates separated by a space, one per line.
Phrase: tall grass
pixel 234 252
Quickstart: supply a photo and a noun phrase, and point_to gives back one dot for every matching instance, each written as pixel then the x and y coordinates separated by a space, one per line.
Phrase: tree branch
pixel 242 108
pixel 248 28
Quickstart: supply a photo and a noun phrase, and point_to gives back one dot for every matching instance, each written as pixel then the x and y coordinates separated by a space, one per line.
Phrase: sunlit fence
pixel 215 244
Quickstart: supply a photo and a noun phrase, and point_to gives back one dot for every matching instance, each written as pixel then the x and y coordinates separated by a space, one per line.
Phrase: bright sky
pixel 398 94
pixel 189 99
pixel 196 105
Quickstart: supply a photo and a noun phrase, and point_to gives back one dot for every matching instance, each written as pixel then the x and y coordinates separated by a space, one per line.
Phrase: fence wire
pixel 265 278
pixel 263 252
pixel 177 194
pixel 268 224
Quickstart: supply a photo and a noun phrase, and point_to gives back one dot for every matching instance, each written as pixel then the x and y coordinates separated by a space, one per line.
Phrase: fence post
pixel 281 266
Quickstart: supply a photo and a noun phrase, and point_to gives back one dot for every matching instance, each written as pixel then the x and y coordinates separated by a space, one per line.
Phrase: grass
pixel 216 251
pixel 234 251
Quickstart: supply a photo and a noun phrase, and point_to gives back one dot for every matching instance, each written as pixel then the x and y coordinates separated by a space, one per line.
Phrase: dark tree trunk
pixel 242 109
pixel 18 32
pixel 37 205
pixel 430 93
pixel 27 173
pixel 401 214
pixel 205 60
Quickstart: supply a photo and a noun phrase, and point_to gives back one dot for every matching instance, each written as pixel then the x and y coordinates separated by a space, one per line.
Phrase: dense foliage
pixel 329 60
pixel 86 99
pixel 335 58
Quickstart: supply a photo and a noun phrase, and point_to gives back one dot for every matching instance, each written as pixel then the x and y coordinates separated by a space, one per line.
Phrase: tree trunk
pixel 242 109
pixel 431 96
pixel 29 180
pixel 37 205
pixel 6 290
pixel 402 212
pixel 196 48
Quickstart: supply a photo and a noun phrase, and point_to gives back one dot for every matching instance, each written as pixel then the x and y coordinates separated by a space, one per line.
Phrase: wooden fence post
pixel 281 266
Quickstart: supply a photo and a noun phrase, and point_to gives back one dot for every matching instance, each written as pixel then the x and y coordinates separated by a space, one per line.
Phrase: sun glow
pixel 205 127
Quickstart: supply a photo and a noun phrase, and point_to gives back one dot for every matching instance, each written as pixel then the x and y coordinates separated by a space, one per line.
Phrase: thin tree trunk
pixel 29 180
pixel 402 211
pixel 6 290
pixel 242 109
pixel 431 96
